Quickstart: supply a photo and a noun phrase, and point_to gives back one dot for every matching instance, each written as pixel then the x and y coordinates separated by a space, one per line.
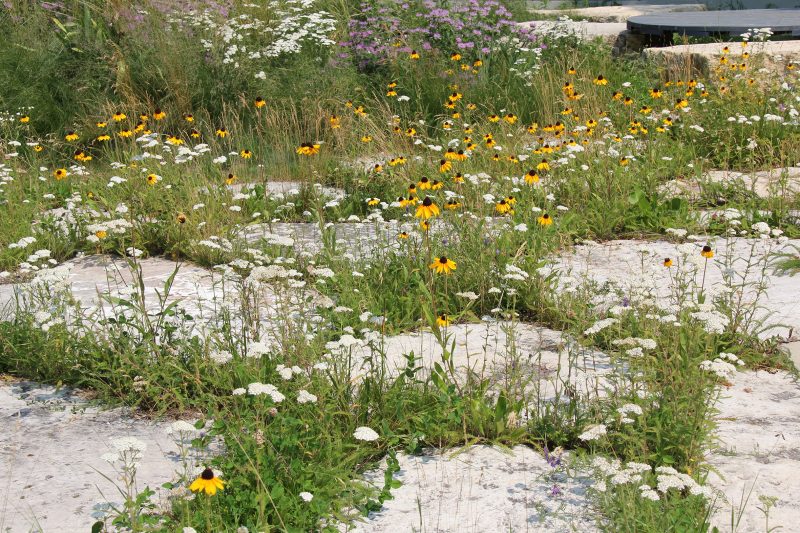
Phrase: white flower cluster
pixel 261 389
pixel 593 432
pixel 723 366
pixel 600 325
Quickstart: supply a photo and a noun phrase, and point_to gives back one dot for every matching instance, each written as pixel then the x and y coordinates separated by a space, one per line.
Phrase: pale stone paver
pixel 778 182
pixel 51 470
pixel 621 13
pixel 758 453
pixel 482 489
pixel 775 55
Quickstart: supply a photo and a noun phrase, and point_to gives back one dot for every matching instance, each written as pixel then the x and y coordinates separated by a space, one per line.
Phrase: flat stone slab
pixel 494 350
pixel 288 188
pixel 51 465
pixel 709 23
pixel 635 267
pixel 481 489
pixel 621 13
pixel 775 55
pixel 586 31
pixel 777 182
pixel 758 453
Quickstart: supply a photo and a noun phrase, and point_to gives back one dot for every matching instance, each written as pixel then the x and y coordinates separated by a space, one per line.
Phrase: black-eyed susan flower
pixel 373 201
pixel 493 118
pixel 402 235
pixel 103 138
pixel 174 141
pixel 442 321
pixel 60 173
pixel 413 55
pixel 458 178
pixel 188 117
pixel 366 139
pixel 572 71
pixel 378 168
pixel 443 265
pixel 230 178
pixel 152 179
pixel 452 205
pixel 101 124
pixel 24 119
pixel 246 154
pixel 667 262
pixel 503 207
pixel 194 134
pixel 707 252
pixel 159 114
pixel 543 165
pixel 445 165
pixel 424 183
pixel 531 177
pixel 222 132
pixel 259 102
pixel 71 136
pixel 119 116
pixel 140 127
pixel 427 209
pixel 336 122
pixel 144 117
pixel 510 118
pixel 38 148
pixel 656 93
pixel 207 482
pixel 600 80
pixel 455 56
pixel 308 149
pixel 544 220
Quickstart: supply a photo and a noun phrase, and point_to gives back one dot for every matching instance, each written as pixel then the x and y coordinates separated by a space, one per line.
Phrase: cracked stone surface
pixel 482 489
pixel 554 364
pixel 621 13
pixel 633 265
pixel 51 470
pixel 758 453
pixel 778 182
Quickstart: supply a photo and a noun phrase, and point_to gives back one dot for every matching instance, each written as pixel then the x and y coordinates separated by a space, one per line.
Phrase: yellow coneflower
pixel 159 114
pixel 656 93
pixel 188 117
pixel 103 138
pixel 443 265
pixel 335 121
pixel 308 149
pixel 600 80
pixel 60 173
pixel 152 179
pixel 455 56
pixel 119 116
pixel 544 165
pixel 427 209
pixel 458 178
pixel 410 132
pixel 445 165
pixel 81 156
pixel 531 177
pixel 391 92
pixel 667 262
pixel 616 95
pixel 502 207
pixel 259 102
pixel 207 482
pixel 544 220
pixel 140 127
pixel 707 252
pixel 222 132
pixel 175 141
pixel 24 119
pixel 452 205
pixel 436 185
pixel 413 55
pixel 230 179
pixel 493 118
pixel 627 101
pixel 571 71
pixel 424 183
pixel 378 168
pixel 680 103
pixel 71 136
pixel 532 128
pixel 246 154
pixel 510 118
pixel 442 321
pixel 101 124
pixel 125 133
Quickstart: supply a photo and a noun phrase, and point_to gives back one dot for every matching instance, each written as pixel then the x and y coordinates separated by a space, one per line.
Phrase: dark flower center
pixel 443 260
pixel 207 474
pixel 427 202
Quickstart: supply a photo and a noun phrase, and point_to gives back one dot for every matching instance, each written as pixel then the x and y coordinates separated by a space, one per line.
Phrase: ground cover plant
pixel 439 160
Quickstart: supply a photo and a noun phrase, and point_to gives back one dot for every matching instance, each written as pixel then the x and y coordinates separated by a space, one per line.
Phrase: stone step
pixel 702 57
pixel 620 13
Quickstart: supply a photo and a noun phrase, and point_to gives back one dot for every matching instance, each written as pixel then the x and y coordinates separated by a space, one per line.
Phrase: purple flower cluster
pixel 396 27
